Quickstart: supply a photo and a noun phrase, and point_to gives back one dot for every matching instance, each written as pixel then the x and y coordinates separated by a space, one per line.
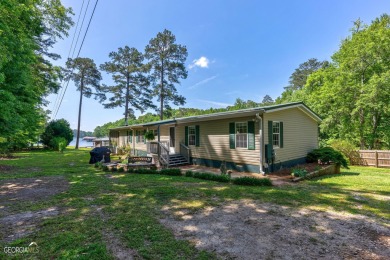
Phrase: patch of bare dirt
pixel 7 168
pixel 113 243
pixel 31 189
pixel 20 225
pixel 248 230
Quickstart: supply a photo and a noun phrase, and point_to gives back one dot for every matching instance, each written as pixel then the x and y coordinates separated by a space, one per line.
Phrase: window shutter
pixel 131 136
pixel 270 134
pixel 127 136
pixel 281 135
pixel 144 136
pixel 137 136
pixel 186 135
pixel 232 135
pixel 251 135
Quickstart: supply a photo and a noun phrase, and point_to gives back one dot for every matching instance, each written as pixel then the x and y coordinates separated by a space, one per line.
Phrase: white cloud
pixel 203 82
pixel 202 62
pixel 219 104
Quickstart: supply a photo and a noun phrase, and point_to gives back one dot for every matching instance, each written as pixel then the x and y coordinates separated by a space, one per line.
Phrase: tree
pixel 166 60
pixel 28 29
pixel 352 94
pixel 299 76
pixel 127 69
pixel 267 100
pixel 57 129
pixel 86 76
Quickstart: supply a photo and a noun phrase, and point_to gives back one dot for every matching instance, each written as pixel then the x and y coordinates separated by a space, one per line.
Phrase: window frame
pixel 276 146
pixel 236 135
pixel 194 134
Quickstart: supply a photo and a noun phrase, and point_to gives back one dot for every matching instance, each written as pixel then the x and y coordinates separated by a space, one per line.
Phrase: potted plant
pixel 149 135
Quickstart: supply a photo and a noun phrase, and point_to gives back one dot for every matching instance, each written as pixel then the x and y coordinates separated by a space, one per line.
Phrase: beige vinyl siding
pixel 300 133
pixel 214 142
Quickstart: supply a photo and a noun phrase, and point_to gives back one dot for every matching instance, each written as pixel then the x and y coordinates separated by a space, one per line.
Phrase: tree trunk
pixel 375 119
pixel 79 120
pixel 127 101
pixel 161 92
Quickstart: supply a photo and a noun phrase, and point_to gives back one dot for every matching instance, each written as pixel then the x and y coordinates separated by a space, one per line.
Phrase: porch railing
pixel 164 154
pixel 152 147
pixel 185 151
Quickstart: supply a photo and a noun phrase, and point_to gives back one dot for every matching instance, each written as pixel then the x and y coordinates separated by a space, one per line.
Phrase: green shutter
pixel 197 141
pixel 131 136
pixel 144 136
pixel 270 134
pixel 281 135
pixel 232 135
pixel 251 135
pixel 186 135
pixel 137 136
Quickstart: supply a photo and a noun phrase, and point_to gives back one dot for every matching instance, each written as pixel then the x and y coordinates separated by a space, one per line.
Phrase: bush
pixel 327 155
pixel 251 181
pixel 189 174
pixel 57 128
pixel 105 168
pixel 171 172
pixel 347 148
pixel 114 169
pixel 58 144
pixel 145 171
pixel 120 169
pixel 211 177
pixel 298 172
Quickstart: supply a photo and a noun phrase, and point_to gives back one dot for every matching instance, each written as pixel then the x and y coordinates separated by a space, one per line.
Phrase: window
pixel 241 135
pixel 276 134
pixel 141 136
pixel 191 135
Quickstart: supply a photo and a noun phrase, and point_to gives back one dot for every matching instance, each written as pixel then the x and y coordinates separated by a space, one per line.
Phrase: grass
pixel 131 204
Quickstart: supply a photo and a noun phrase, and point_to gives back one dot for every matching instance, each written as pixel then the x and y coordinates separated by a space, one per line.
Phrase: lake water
pixel 82 143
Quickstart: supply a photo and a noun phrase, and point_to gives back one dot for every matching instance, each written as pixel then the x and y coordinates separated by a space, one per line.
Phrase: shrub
pixel 58 143
pixel 298 172
pixel 347 148
pixel 57 128
pixel 211 177
pixel 120 169
pixel 171 172
pixel 98 165
pixel 114 169
pixel 105 168
pixel 189 174
pixel 145 171
pixel 327 155
pixel 251 181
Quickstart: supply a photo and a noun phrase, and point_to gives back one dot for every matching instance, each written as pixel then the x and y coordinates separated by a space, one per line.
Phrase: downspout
pixel 261 142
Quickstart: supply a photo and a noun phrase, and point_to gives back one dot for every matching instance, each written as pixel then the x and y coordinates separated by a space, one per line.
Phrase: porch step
pixel 177 160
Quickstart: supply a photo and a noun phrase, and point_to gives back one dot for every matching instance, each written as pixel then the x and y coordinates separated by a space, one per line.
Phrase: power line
pixel 70 50
pixel 82 43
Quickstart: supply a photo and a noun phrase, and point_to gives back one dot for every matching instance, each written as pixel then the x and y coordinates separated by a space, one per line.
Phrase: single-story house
pixel 99 142
pixel 262 139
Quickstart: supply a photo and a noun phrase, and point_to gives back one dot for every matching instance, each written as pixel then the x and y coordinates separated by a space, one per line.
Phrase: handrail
pixel 164 154
pixel 185 151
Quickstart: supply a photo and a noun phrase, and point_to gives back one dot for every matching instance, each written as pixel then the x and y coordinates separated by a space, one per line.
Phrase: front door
pixel 172 140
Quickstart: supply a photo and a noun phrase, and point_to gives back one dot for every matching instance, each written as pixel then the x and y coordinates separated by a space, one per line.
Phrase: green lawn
pixel 131 204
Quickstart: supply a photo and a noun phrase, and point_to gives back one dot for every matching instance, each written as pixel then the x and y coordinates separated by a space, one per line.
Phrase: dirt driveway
pixel 15 224
pixel 248 230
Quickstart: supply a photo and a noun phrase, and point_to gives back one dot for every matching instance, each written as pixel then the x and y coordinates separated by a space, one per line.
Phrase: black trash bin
pixel 98 153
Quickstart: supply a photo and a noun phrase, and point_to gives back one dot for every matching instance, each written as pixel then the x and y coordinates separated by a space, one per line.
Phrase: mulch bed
pixel 285 173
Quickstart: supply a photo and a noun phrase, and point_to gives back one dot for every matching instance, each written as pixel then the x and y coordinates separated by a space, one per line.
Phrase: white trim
pixel 235 134
pixel 192 126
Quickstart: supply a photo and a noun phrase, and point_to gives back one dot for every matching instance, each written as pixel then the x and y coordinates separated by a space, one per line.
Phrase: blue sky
pixel 236 49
